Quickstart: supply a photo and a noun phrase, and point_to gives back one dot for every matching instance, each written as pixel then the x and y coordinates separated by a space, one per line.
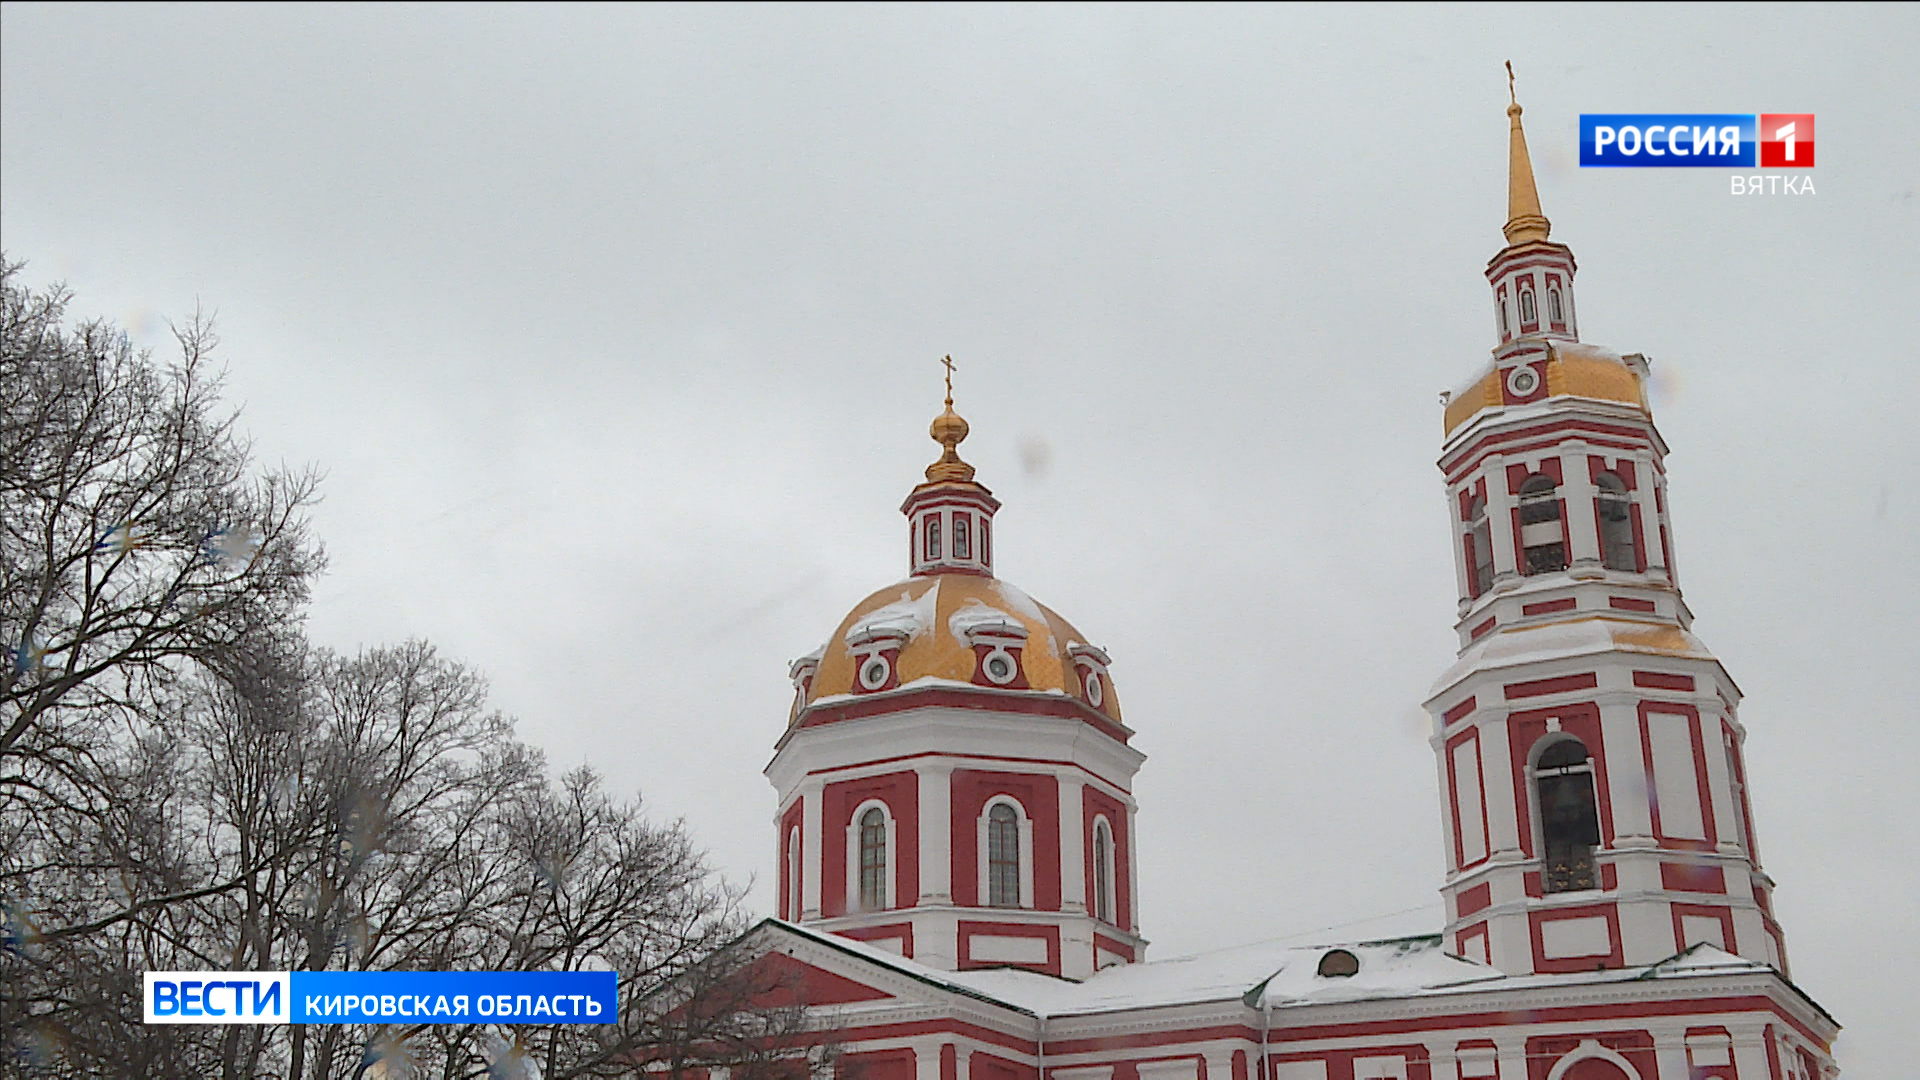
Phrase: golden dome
pixel 926 608
pixel 1573 370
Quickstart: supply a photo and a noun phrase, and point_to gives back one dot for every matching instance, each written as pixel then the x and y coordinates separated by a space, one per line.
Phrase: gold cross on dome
pixel 947 362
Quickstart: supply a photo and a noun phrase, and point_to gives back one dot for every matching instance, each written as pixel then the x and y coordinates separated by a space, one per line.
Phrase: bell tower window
pixel 1543 534
pixel 873 860
pixel 1617 549
pixel 1003 856
pixel 1569 816
pixel 1479 550
pixel 962 538
pixel 1527 315
pixel 932 531
pixel 1554 311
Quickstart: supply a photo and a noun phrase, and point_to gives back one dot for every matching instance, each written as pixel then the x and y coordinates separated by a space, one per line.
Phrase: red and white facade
pixel 955 826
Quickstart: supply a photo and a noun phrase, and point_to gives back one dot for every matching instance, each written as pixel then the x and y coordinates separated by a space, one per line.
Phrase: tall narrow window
pixel 793 875
pixel 933 536
pixel 1527 315
pixel 1569 816
pixel 1553 307
pixel 1542 533
pixel 1003 856
pixel 1480 549
pixel 1504 330
pixel 1102 872
pixel 1617 549
pixel 962 538
pixel 873 860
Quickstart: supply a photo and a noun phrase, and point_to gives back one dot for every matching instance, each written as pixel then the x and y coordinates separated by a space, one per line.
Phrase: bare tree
pixel 139 548
pixel 185 784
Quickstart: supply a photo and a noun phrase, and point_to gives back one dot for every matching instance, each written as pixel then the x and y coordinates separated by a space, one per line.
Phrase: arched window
pixel 1479 549
pixel 1003 856
pixel 1617 549
pixel 1527 314
pixel 1502 305
pixel 933 536
pixel 1102 872
pixel 962 539
pixel 1569 816
pixel 1553 306
pixel 873 860
pixel 1542 534
pixel 793 874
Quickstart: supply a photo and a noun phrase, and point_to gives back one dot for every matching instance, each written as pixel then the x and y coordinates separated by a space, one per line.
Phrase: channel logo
pixel 1696 140
pixel 381 997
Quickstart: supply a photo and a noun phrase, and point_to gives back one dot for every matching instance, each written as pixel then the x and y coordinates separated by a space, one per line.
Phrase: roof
pixel 1268 975
pixel 1573 370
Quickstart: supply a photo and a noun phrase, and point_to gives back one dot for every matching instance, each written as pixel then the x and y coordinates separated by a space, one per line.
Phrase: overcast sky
pixel 616 332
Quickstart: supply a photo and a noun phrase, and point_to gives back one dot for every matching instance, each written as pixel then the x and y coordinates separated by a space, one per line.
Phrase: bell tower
pixel 1588 744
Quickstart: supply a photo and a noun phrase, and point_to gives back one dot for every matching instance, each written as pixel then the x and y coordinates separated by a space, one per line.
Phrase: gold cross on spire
pixel 1512 98
pixel 947 430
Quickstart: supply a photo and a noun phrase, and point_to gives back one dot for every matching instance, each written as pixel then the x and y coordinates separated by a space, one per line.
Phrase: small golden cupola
pixel 950 517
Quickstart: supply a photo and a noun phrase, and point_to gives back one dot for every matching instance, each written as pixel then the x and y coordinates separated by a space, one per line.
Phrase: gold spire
pixel 949 430
pixel 1525 222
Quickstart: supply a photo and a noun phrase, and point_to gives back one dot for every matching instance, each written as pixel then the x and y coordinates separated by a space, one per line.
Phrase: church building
pixel 958 870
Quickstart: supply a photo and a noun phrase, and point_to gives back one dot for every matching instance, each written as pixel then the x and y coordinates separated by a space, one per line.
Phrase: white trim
pixel 1587 1049
pixel 889 890
pixel 1026 850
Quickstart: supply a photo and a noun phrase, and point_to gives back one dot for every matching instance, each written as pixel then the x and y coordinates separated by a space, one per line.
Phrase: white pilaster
pixel 1626 772
pixel 1670 1051
pixel 811 847
pixel 1073 847
pixel 1496 773
pixel 1577 492
pixel 926 1059
pixel 936 834
pixel 1500 504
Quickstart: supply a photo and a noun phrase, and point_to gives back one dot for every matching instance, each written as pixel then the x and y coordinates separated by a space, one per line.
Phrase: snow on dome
pixel 933 614
pixel 974 615
pixel 1557 641
pixel 908 617
pixel 1573 369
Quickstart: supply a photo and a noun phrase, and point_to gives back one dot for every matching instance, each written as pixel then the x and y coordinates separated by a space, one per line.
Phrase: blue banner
pixel 454 997
pixel 1667 140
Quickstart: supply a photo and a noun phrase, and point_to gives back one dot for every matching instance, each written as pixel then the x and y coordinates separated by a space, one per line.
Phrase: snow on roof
pixel 1701 958
pixel 974 615
pixel 907 616
pixel 1556 641
pixel 1386 969
pixel 1270 974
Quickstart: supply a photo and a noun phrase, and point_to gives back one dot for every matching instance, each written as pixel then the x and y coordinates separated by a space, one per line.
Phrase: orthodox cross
pixel 947 362
pixel 1511 97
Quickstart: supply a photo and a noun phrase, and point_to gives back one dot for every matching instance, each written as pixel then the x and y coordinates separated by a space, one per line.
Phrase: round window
pixel 1523 381
pixel 874 673
pixel 999 667
pixel 1095 692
